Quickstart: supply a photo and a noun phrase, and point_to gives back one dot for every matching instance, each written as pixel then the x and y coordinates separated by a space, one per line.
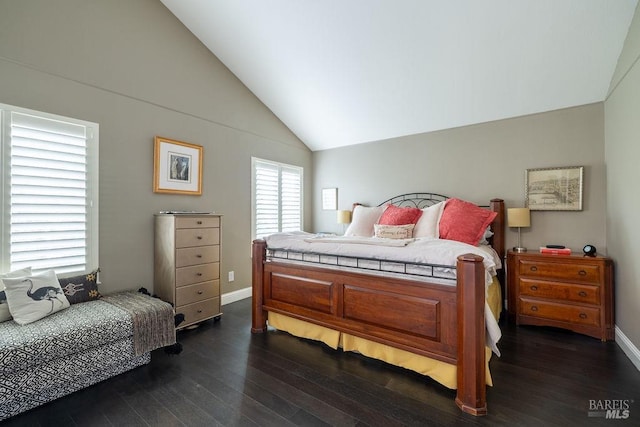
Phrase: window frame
pixel 92 187
pixel 255 161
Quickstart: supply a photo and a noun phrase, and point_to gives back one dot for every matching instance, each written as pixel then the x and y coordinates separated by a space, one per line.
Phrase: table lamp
pixel 519 217
pixel 344 217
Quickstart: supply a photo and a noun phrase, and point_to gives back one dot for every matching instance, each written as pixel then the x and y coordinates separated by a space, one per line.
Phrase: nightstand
pixel 565 291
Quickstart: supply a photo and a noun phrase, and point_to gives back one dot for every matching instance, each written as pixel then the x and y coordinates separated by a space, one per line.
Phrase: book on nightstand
pixel 555 251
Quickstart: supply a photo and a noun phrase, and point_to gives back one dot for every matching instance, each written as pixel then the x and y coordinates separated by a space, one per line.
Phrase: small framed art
pixel 554 189
pixel 177 167
pixel 329 199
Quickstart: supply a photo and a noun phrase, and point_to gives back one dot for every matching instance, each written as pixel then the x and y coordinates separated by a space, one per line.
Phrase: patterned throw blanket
pixel 153 322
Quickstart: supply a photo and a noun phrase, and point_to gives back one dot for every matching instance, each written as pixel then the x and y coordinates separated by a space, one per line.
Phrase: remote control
pixel 555 246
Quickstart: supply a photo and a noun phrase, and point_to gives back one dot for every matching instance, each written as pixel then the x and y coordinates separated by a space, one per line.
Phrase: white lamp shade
pixel 518 217
pixel 344 217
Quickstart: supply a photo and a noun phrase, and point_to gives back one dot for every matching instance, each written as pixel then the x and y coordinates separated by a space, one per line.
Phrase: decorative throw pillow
pixel 394 231
pixel 81 288
pixel 33 297
pixel 465 222
pixel 395 215
pixel 427 225
pixel 363 219
pixel 5 314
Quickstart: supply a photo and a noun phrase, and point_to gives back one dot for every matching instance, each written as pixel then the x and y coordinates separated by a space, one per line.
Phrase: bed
pixel 408 312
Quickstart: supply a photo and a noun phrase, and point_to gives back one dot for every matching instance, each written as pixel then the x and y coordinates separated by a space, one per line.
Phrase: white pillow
pixel 5 314
pixel 33 297
pixel 363 219
pixel 427 225
pixel 485 238
pixel 394 231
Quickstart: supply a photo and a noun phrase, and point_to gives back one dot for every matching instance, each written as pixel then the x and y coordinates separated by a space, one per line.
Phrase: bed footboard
pixel 433 320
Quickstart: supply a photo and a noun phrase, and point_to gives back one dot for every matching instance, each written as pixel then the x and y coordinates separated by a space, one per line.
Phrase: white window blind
pixel 277 197
pixel 50 192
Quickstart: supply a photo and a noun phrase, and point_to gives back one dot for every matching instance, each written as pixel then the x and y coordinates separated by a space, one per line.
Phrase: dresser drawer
pixel 198 292
pixel 575 314
pixel 197 273
pixel 588 294
pixel 189 237
pixel 199 311
pixel 197 222
pixel 582 273
pixel 197 255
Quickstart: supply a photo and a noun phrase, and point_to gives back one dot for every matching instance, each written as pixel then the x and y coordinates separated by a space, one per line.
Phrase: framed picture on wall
pixel 329 199
pixel 177 167
pixel 554 189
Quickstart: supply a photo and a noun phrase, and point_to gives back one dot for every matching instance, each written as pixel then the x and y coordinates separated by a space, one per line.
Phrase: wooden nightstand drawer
pixel 588 294
pixel 565 291
pixel 583 273
pixel 575 314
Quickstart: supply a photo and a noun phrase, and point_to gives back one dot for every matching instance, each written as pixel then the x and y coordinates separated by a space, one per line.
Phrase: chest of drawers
pixel 187 264
pixel 565 291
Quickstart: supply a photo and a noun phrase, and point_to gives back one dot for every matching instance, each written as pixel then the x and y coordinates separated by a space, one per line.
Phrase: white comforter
pixel 422 250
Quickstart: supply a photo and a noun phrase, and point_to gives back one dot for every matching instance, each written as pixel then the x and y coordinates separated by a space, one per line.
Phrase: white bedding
pixel 425 250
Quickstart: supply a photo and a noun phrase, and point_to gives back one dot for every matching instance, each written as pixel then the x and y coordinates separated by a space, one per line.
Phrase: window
pixel 49 191
pixel 276 197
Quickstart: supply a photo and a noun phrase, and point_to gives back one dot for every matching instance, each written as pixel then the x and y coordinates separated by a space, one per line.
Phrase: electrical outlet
pixel 232 276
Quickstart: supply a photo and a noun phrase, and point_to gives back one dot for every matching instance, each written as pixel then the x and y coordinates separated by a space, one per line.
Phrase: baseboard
pixel 234 296
pixel 628 348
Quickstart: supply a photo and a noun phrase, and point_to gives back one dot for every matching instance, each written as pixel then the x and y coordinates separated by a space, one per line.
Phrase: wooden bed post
pixel 472 382
pixel 497 226
pixel 258 315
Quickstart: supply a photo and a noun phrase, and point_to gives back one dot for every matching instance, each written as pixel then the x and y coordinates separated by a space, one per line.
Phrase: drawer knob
pixel 534 268
pixel 199 237
pixel 534 308
pixel 534 288
pixel 198 274
pixel 199 222
pixel 198 256
pixel 199 311
pixel 582 293
pixel 199 292
pixel 582 273
pixel 583 316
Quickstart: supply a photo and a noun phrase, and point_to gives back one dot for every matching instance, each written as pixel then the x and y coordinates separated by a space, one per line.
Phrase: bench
pixel 79 346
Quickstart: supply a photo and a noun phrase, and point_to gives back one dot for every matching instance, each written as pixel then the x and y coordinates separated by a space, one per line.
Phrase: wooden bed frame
pixel 434 320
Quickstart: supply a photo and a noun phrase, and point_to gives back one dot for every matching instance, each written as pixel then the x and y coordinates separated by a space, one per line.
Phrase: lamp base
pixel 519 249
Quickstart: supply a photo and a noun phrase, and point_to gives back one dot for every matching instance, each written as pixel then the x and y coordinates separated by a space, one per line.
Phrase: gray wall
pixel 478 163
pixel 132 67
pixel 622 154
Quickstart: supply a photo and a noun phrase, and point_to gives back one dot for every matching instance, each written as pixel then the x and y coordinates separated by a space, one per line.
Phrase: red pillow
pixel 395 215
pixel 464 221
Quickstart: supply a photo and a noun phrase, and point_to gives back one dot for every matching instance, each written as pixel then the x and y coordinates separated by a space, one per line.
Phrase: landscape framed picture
pixel 554 189
pixel 177 167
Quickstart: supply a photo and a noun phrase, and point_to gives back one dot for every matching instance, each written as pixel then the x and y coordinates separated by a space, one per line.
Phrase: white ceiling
pixel 342 72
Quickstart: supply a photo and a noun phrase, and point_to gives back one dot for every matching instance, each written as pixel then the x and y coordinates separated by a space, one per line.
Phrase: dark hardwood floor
pixel 227 376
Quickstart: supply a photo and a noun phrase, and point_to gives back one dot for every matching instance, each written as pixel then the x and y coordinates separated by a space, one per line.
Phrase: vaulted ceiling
pixel 342 72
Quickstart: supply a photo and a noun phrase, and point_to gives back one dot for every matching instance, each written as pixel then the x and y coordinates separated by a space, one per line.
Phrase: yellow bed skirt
pixel 442 372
